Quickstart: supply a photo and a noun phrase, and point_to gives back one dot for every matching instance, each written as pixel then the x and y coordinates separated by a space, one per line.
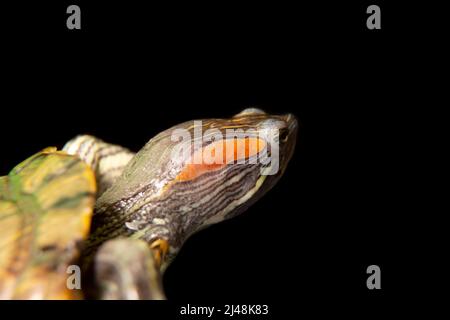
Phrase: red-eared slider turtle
pixel 122 216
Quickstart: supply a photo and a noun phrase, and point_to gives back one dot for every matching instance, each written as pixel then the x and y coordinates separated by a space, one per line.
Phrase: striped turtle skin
pixel 159 197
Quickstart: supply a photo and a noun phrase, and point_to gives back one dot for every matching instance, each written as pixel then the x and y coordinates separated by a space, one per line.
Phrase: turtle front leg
pixel 107 160
pixel 126 269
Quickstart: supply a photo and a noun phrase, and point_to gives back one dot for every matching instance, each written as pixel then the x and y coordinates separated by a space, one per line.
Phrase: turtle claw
pixel 160 248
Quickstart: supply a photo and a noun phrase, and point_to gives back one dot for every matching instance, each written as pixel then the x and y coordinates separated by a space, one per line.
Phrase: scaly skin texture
pixel 159 196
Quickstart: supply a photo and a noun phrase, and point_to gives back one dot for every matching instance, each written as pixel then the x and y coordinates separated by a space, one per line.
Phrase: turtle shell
pixel 46 205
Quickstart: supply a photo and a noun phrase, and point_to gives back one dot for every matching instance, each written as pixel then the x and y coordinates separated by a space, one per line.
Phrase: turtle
pixel 119 218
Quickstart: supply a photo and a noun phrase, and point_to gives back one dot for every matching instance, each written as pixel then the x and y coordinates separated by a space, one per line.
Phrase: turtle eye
pixel 284 135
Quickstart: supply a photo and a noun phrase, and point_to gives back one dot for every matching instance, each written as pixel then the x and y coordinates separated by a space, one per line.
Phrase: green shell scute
pixel 46 205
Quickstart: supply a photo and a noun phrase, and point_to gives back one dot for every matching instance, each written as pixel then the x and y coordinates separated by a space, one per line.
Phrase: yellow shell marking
pixel 46 206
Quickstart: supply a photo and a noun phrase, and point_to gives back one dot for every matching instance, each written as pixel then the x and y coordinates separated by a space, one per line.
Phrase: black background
pixel 134 70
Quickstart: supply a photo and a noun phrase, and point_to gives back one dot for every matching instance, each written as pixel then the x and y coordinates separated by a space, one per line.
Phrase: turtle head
pixel 199 173
pixel 247 153
pixel 247 178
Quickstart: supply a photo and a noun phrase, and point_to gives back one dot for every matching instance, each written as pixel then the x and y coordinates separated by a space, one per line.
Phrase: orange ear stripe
pixel 220 153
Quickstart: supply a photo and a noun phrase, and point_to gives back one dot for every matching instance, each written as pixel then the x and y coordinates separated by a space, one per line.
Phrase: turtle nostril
pixel 291 121
pixel 288 117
